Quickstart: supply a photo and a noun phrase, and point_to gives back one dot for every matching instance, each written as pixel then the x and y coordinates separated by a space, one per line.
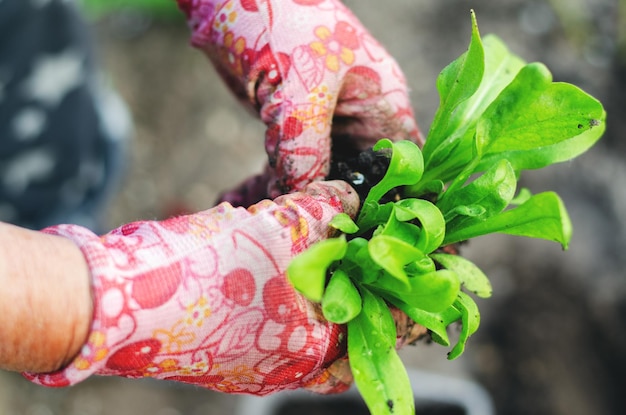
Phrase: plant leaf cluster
pixel 498 116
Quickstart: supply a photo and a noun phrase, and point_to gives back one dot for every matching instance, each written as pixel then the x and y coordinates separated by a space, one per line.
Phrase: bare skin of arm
pixel 45 300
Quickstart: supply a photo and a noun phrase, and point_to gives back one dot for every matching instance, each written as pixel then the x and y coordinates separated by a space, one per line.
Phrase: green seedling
pixel 498 116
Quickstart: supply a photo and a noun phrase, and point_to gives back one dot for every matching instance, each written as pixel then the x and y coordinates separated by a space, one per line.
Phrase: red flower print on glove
pixel 204 298
pixel 314 74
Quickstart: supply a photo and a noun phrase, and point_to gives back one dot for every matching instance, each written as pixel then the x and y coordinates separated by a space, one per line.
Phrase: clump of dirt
pixel 363 171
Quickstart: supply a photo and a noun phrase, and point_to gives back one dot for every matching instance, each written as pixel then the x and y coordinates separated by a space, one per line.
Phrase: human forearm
pixel 45 300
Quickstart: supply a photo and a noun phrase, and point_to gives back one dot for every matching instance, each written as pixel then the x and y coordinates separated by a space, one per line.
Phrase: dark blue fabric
pixel 58 160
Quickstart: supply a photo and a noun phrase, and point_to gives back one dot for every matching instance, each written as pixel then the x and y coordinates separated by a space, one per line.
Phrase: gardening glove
pixel 203 298
pixel 311 71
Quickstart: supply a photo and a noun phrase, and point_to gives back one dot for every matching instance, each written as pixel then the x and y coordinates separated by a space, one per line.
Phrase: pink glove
pixel 303 65
pixel 203 298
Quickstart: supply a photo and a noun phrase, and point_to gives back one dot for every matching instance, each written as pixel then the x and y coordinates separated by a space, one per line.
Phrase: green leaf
pixel 500 68
pixel 456 83
pixel 393 254
pixel 421 266
pixel 511 106
pixel 373 214
pixel 472 278
pixel 426 190
pixel 470 319
pixel 358 263
pixel 431 222
pixel 522 196
pixel 341 301
pixel 472 211
pixel 542 216
pixel 407 232
pixel 492 191
pixel 433 292
pixel 405 167
pixel 307 271
pixel 437 323
pixel 344 223
pixel 378 371
pixel 559 124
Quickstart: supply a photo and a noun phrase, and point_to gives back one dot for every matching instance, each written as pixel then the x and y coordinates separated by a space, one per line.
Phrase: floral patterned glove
pixel 204 299
pixel 312 72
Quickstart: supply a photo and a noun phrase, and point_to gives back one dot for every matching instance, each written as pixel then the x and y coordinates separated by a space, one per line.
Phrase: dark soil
pixel 362 171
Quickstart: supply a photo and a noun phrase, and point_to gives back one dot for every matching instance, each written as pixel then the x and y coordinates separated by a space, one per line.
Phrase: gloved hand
pixel 204 299
pixel 311 71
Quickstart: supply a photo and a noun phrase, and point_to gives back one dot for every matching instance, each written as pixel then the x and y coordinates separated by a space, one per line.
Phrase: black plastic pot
pixel 434 395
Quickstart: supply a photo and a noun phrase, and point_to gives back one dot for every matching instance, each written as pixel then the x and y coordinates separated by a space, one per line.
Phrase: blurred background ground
pixel 553 337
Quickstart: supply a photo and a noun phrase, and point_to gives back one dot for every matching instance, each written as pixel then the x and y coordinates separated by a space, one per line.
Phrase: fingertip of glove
pixel 338 190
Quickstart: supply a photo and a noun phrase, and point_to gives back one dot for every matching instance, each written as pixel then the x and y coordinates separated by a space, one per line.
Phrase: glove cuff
pixel 93 354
